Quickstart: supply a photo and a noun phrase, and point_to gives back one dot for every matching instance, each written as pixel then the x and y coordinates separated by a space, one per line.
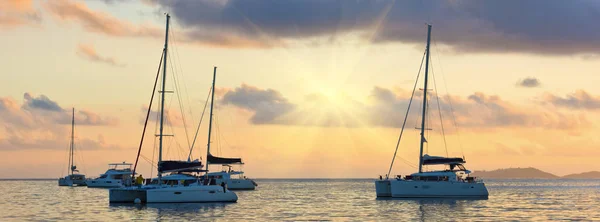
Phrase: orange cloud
pixel 579 100
pixel 17 12
pixel 88 52
pixel 104 23
pixel 98 22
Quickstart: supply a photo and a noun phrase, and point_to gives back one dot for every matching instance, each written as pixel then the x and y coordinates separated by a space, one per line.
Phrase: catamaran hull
pixel 437 189
pixel 383 188
pixel 126 195
pixel 240 184
pixel 67 182
pixel 104 183
pixel 189 195
pixel 175 194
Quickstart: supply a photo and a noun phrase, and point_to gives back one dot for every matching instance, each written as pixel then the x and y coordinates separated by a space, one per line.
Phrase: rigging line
pixel 176 83
pixel 176 49
pixel 439 109
pixel 152 163
pixel 449 100
pixel 219 132
pixel 155 145
pixel 148 113
pixel 200 123
pixel 406 116
pixel 427 126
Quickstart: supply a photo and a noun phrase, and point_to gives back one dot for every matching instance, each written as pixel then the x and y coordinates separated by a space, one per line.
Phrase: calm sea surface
pixel 306 199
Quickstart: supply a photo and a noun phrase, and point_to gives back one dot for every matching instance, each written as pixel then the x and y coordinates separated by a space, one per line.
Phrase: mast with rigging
pixel 212 100
pixel 162 102
pixel 423 140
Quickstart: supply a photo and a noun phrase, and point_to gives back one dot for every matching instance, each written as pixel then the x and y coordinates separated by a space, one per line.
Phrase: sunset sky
pixel 305 88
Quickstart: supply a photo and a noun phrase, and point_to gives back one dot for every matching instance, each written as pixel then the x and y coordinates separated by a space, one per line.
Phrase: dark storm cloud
pixel 534 26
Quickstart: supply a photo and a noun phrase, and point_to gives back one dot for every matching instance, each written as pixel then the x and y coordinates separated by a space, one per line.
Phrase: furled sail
pixel 222 160
pixel 438 160
pixel 179 166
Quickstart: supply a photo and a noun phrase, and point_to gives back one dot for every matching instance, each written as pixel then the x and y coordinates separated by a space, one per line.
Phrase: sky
pixel 304 88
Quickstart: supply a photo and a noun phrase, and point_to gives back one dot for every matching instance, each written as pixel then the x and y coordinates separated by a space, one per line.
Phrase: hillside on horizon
pixel 531 173
pixel 515 173
pixel 584 175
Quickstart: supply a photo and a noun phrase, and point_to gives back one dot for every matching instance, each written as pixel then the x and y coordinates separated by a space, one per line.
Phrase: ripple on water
pixel 311 200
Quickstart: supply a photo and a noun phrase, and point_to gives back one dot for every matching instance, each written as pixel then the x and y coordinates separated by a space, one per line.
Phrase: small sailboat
pixel 178 187
pixel 454 182
pixel 73 179
pixel 235 180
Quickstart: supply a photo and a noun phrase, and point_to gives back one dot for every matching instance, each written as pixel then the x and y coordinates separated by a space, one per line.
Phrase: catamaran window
pixel 118 176
pixel 102 176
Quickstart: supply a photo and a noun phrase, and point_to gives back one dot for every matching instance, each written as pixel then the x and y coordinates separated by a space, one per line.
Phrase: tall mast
pixel 212 100
pixel 423 141
pixel 72 150
pixel 162 102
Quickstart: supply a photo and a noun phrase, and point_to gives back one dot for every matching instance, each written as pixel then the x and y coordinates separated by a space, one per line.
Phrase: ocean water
pixel 310 199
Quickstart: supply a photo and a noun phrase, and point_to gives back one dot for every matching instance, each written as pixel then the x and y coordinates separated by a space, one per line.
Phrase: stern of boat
pixel 126 195
pixel 383 188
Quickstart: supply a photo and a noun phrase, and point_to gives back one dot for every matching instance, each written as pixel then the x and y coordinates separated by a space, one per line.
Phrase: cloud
pixel 98 22
pixel 41 123
pixel 386 108
pixel 551 27
pixel 110 2
pixel 49 140
pixel 40 111
pixel 267 104
pixel 172 118
pixel 580 99
pixel 88 52
pixel 18 12
pixel 529 82
pixel 42 102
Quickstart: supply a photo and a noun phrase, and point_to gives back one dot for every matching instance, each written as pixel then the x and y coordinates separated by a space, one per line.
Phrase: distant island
pixel 531 173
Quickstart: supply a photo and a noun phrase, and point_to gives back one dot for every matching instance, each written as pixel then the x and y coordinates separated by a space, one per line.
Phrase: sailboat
pixel 454 182
pixel 177 187
pixel 73 179
pixel 235 180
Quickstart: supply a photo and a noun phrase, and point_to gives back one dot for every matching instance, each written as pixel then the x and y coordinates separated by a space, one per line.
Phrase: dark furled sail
pixel 179 166
pixel 222 160
pixel 436 160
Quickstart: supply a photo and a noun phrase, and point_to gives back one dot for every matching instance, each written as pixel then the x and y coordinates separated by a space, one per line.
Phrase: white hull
pixel 71 182
pixel 432 189
pixel 100 183
pixel 238 184
pixel 174 194
pixel 190 194
pixel 241 184
pixel 383 188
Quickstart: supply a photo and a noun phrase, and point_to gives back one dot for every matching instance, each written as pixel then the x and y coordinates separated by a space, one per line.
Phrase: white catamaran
pixel 73 179
pixel 177 187
pixel 235 180
pixel 454 182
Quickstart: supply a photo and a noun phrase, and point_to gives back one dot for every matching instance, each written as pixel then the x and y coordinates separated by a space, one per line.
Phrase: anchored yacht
pixel 453 182
pixel 235 180
pixel 117 175
pixel 73 179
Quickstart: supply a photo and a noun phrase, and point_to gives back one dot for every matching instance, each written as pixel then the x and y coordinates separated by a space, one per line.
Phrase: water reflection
pixel 174 211
pixel 280 200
